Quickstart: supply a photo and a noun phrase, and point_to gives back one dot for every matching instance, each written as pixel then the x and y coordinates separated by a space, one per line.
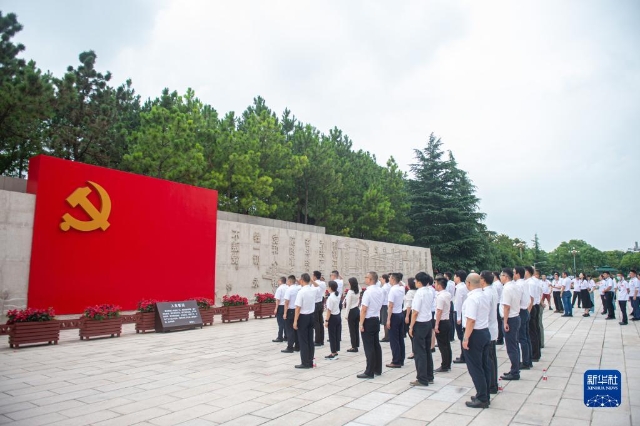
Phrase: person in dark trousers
pixel 351 300
pixel 556 285
pixel 333 320
pixel 279 310
pixel 303 321
pixel 318 323
pixel 451 288
pixel 608 295
pixel 460 296
pixel 395 321
pixel 384 310
pixel 443 325
pixel 497 286
pixel 525 308
pixel 420 329
pixel 477 340
pixel 290 313
pixel 623 297
pixel 510 306
pixel 535 291
pixel 408 300
pixel 370 326
pixel 489 291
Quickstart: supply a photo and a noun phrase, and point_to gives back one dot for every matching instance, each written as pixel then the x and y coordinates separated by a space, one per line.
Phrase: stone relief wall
pixel 251 257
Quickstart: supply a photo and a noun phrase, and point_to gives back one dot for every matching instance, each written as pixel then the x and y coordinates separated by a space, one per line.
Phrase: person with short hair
pixel 279 309
pixel 623 297
pixel 289 314
pixel 420 329
pixel 535 291
pixel 332 320
pixel 510 312
pixel 497 286
pixel 461 294
pixel 541 284
pixel 408 300
pixel 451 288
pixel 556 285
pixel 395 321
pixel 370 326
pixel 546 292
pixel 476 341
pixel 352 299
pixel 634 290
pixel 384 311
pixel 526 303
pixel 565 293
pixel 486 279
pixel 304 321
pixel 609 291
pixel 321 288
pixel 443 325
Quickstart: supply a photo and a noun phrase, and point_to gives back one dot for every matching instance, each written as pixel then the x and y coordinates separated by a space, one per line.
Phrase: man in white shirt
pixel 443 324
pixel 461 295
pixel 303 321
pixel 451 288
pixel 384 311
pixel 546 293
pixel 542 284
pixel 623 297
pixel 371 304
pixel 556 285
pixel 510 312
pixel 565 293
pixel 489 291
pixel 335 276
pixel 290 313
pixel 321 288
pixel 634 290
pixel 497 286
pixel 279 309
pixel 477 340
pixel 420 329
pixel 535 290
pixel 575 291
pixel 395 321
pixel 609 291
pixel 526 303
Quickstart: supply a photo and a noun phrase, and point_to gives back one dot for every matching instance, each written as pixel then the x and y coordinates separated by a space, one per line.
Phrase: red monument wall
pixel 105 236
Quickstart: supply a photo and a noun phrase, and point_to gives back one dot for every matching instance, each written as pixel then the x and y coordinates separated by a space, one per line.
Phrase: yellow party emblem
pixel 99 218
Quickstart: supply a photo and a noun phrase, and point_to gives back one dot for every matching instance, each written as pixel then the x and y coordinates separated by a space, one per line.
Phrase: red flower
pixel 203 302
pixel 234 300
pixel 147 305
pixel 29 315
pixel 100 312
pixel 265 298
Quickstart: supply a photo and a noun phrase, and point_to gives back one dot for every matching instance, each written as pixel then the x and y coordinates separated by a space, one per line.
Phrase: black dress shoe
pixel 364 376
pixel 492 392
pixel 441 370
pixel 303 366
pixel 477 404
pixel 319 344
pixel 459 361
pixel 296 349
pixel 500 342
pixel 623 323
pixel 384 340
pixel 287 351
pixel 473 398
pixel 525 367
pixel 536 360
pixel 352 350
pixel 509 376
pixel 278 340
pixel 610 318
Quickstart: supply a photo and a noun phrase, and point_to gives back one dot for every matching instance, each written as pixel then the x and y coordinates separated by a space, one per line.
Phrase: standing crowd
pixel 483 310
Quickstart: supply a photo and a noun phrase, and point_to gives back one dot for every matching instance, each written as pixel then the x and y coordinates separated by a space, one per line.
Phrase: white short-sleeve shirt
pixel 422 302
pixel 443 302
pixel 396 296
pixel 333 304
pixel 290 295
pixel 320 290
pixel 476 307
pixel 306 299
pixel 492 296
pixel 280 293
pixel 372 299
pixel 511 295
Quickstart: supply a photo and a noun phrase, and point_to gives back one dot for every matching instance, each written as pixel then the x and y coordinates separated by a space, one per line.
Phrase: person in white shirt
pixel 576 283
pixel 451 288
pixel 546 293
pixel 443 324
pixel 608 290
pixel 420 329
pixel 497 286
pixel 332 320
pixel 623 297
pixel 565 293
pixel 303 321
pixel 461 294
pixel 408 300
pixel 279 310
pixel 335 276
pixel 526 303
pixel 584 294
pixel 592 290
pixel 510 312
pixel 289 314
pixel 321 288
pixel 395 321
pixel 541 284
pixel 370 326
pixel 535 291
pixel 634 293
pixel 352 299
pixel 489 291
pixel 556 285
pixel 476 342
pixel 384 311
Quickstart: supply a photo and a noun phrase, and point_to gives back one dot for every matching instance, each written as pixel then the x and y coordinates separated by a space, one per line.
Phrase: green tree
pixel 25 102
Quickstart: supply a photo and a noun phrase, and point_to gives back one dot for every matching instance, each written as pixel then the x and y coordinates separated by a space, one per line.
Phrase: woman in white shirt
pixel 584 294
pixel 333 320
pixel 408 298
pixel 351 301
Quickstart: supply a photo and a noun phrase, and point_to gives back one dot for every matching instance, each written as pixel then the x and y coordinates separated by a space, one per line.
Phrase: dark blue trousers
pixel 513 349
pixel 523 338
pixel 422 351
pixel 478 362
pixel 305 337
pixel 292 335
pixel 396 339
pixel 280 320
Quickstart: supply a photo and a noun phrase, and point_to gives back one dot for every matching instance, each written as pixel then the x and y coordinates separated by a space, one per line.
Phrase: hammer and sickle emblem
pixel 98 217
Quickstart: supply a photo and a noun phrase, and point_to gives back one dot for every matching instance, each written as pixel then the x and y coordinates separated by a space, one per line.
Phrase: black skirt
pixel 586 300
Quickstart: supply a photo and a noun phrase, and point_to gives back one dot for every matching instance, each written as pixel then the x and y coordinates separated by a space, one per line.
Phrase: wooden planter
pixel 234 313
pixel 34 332
pixel 146 321
pixel 264 310
pixel 93 328
pixel 206 315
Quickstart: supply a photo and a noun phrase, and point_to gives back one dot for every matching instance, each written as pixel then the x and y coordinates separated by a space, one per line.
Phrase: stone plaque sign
pixel 177 316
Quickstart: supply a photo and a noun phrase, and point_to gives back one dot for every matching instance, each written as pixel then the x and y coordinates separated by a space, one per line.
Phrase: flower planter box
pixel 207 316
pixel 106 327
pixel 234 313
pixel 146 321
pixel 34 332
pixel 264 310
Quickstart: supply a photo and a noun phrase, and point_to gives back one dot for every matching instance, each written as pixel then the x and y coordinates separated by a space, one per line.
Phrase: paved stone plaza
pixel 234 374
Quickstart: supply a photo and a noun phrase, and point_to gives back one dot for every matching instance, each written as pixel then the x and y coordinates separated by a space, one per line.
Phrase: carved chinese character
pixel 256 260
pixel 256 237
pixel 275 240
pixel 255 283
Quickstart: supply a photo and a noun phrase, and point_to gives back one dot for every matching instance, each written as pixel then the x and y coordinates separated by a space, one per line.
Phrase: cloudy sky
pixel 539 101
